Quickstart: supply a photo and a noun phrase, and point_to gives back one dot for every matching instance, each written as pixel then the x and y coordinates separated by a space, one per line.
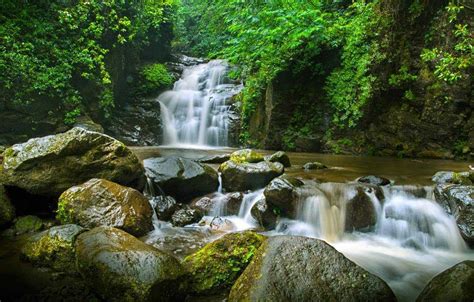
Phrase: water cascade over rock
pixel 198 109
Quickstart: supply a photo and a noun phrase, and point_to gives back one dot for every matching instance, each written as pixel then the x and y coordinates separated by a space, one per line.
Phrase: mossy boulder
pixel 218 264
pixel 248 176
pixel 246 156
pixel 119 267
pixel 54 248
pixel 7 210
pixel 292 268
pixel 279 157
pixel 449 177
pixel 50 165
pixel 27 224
pixel 314 166
pixel 182 178
pixel 102 202
pixel 281 195
pixel 454 284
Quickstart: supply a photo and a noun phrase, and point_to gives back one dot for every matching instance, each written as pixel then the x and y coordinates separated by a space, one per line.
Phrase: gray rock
pixel 373 180
pixel 50 165
pixel 119 267
pixel 185 216
pixel 265 215
pixel 291 268
pixel 454 284
pixel 281 195
pixel 165 206
pixel 280 157
pixel 215 159
pixel 449 177
pixel 314 166
pixel 181 178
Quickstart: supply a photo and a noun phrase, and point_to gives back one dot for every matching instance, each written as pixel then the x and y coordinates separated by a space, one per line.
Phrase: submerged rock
pixel 281 195
pixel 102 202
pixel 27 224
pixel 449 177
pixel 7 210
pixel 181 178
pixel 54 248
pixel 165 206
pixel 279 157
pixel 218 264
pixel 454 284
pixel 246 156
pixel 248 176
pixel 119 267
pixel 185 216
pixel 314 166
pixel 458 201
pixel 291 268
pixel 230 203
pixel 49 165
pixel 373 180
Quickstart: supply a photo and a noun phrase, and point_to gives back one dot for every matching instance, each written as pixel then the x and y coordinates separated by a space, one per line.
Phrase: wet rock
pixel 314 166
pixel 458 201
pixel 221 224
pixel 181 178
pixel 7 210
pixel 215 159
pixel 246 156
pixel 85 122
pixel 248 176
pixel 230 203
pixel 448 177
pixel 373 180
pixel 185 216
pixel 281 195
pixel 49 165
pixel 454 284
pixel 102 202
pixel 54 248
pixel 265 215
pixel 27 224
pixel 119 267
pixel 279 157
pixel 165 206
pixel 291 268
pixel 218 264
pixel 360 211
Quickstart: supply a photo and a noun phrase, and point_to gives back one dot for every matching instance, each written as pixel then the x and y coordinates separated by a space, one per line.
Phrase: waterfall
pixel 196 111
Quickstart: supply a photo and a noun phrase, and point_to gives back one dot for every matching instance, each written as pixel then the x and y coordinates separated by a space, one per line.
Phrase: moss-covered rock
pixel 279 157
pixel 246 156
pixel 314 166
pixel 7 210
pixel 119 267
pixel 218 264
pixel 248 176
pixel 49 165
pixel 27 224
pixel 182 178
pixel 454 284
pixel 54 248
pixel 102 202
pixel 449 177
pixel 292 268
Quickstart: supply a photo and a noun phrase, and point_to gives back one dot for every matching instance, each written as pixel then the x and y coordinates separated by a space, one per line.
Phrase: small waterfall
pixel 196 111
pixel 250 199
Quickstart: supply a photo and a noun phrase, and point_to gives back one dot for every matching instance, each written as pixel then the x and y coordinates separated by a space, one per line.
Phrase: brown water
pixel 343 168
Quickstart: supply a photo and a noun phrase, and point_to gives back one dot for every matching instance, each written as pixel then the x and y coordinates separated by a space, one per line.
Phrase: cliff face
pixel 411 112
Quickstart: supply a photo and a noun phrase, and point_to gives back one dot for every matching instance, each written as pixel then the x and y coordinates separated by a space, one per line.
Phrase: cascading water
pixel 196 111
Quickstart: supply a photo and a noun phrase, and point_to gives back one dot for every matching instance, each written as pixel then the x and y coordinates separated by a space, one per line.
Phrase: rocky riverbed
pixel 85 218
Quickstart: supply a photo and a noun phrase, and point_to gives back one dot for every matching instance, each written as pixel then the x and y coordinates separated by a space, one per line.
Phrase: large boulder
pixel 54 248
pixel 279 157
pixel 218 264
pixel 119 267
pixel 49 165
pixel 449 177
pixel 282 196
pixel 458 201
pixel 248 176
pixel 291 268
pixel 7 210
pixel 102 202
pixel 454 284
pixel 246 156
pixel 181 178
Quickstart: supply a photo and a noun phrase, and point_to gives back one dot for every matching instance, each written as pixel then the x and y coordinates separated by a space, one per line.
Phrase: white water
pixel 196 111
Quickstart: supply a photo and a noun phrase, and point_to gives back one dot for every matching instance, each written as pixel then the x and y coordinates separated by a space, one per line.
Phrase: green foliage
pixel 154 77
pixel 54 51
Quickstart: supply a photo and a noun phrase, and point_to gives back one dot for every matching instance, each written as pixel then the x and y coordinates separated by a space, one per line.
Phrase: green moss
pixel 51 252
pixel 28 224
pixel 220 263
pixel 153 78
pixel 7 211
pixel 65 212
pixel 246 156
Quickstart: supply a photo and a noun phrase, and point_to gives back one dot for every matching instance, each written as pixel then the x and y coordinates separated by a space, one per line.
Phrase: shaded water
pixel 196 111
